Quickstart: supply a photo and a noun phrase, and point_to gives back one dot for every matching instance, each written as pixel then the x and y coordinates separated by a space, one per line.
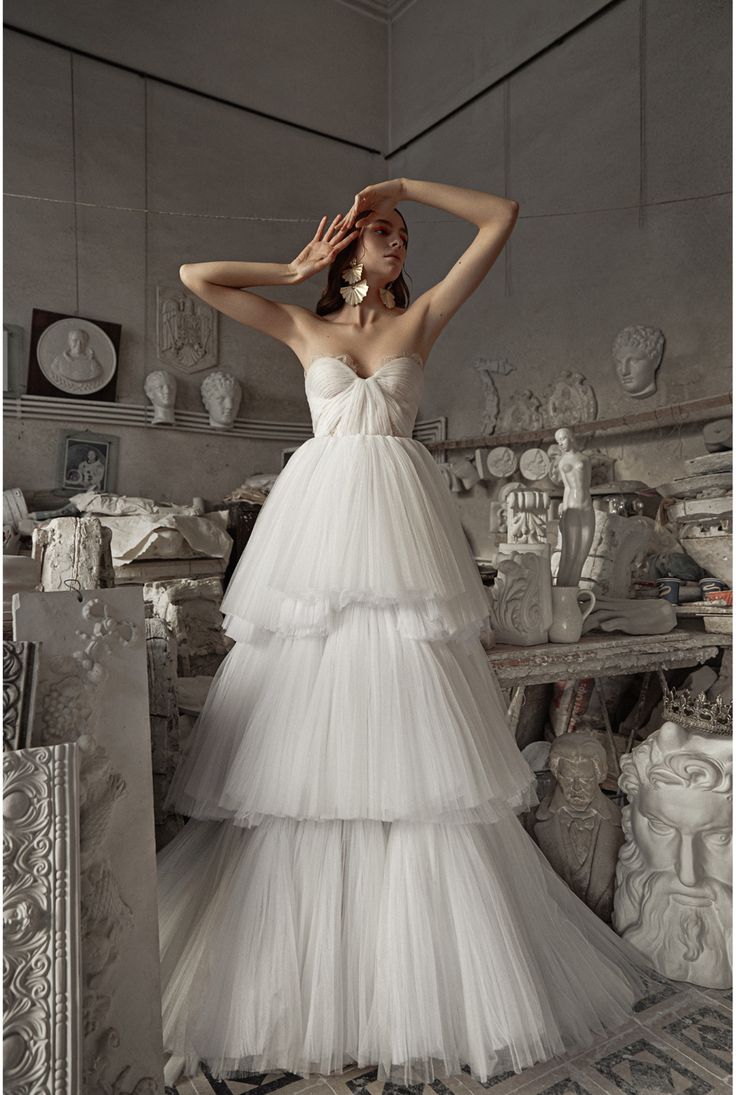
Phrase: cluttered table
pixel 606 655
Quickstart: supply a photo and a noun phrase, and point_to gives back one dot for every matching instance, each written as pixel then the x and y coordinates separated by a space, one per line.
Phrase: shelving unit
pixel 96 412
pixel 677 414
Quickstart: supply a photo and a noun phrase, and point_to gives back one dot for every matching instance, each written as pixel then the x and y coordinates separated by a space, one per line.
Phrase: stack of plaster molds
pixel 703 512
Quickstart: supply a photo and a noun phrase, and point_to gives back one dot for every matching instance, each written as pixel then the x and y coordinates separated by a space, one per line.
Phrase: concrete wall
pixel 321 64
pixel 207 172
pixel 612 133
pixel 562 137
pixel 442 55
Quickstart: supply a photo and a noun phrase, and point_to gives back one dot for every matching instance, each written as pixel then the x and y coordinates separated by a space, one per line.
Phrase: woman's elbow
pixel 191 276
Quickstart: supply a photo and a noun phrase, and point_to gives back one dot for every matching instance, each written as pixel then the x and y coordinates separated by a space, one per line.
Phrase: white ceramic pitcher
pixel 570 607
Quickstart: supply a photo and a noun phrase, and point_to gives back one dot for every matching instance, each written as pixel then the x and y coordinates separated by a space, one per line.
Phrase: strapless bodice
pixel 341 402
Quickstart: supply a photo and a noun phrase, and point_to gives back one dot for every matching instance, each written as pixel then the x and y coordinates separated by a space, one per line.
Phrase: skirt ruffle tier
pixel 353 887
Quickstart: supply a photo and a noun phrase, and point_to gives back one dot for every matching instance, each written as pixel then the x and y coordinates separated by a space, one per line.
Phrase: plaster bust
pixel 221 395
pixel 160 387
pixel 637 352
pixel 576 826
pixel 673 898
pixel 577 516
pixel 77 362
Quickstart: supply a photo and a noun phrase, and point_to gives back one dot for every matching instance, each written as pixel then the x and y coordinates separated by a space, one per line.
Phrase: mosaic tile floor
pixel 678 1043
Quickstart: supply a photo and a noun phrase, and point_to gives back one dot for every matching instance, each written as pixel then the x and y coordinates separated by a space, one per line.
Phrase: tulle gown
pixel 354 887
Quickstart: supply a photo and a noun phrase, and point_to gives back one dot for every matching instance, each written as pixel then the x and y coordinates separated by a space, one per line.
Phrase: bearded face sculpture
pixel 673 878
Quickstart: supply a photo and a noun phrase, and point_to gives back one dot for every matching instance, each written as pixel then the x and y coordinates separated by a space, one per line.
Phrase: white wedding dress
pixel 354 886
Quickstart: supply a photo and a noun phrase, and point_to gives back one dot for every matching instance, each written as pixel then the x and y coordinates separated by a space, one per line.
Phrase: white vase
pixel 570 608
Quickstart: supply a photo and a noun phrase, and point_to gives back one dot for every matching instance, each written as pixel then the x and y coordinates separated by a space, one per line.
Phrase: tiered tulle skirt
pixel 354 887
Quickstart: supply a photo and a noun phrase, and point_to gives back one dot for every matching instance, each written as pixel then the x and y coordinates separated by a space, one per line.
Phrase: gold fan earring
pixel 387 297
pixel 356 289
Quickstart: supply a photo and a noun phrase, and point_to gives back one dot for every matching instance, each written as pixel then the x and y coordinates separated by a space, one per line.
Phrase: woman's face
pixel 383 242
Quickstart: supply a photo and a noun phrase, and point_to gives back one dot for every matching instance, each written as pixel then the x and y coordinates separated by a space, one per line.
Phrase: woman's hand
pixel 321 249
pixel 370 197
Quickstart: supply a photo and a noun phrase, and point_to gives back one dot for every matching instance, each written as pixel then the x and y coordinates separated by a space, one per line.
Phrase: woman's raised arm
pixel 495 218
pixel 478 207
pixel 225 285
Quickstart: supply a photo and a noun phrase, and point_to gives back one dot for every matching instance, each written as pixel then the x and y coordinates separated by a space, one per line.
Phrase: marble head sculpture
pixel 637 352
pixel 160 387
pixel 576 826
pixel 673 879
pixel 221 395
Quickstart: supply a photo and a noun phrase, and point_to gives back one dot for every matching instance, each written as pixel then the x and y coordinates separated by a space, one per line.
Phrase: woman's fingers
pixel 320 226
pixel 342 227
pixel 332 232
pixel 344 242
pixel 352 218
pixel 333 226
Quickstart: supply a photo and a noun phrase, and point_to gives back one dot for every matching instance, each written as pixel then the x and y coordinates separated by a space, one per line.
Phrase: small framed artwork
pixel 87 462
pixel 72 356
pixel 13 359
pixel 286 454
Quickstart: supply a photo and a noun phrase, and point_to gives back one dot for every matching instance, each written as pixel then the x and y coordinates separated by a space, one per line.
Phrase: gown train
pixel 353 886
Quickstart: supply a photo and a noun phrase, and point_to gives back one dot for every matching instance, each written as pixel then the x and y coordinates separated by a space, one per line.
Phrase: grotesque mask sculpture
pixel 673 897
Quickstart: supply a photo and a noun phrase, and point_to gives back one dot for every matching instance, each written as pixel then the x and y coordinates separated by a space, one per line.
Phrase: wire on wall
pixel 507 176
pixel 315 219
pixel 145 221
pixel 74 187
pixel 642 113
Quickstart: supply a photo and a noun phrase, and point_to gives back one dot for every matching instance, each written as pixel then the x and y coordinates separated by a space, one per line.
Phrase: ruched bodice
pixel 385 403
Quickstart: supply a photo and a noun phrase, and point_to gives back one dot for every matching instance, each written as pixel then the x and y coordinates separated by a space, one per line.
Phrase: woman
pixel 380 238
pixel 354 887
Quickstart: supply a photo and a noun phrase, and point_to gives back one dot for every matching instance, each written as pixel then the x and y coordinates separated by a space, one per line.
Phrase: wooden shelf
pixel 677 414
pixel 604 655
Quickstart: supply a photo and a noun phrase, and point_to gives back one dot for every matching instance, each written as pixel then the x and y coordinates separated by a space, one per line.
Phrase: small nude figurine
pixel 577 516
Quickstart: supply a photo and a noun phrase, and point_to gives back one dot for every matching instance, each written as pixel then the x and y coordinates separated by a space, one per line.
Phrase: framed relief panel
pixel 13 360
pixel 73 356
pixel 87 462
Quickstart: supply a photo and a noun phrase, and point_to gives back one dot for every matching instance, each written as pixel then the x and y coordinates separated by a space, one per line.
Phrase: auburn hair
pixel 332 301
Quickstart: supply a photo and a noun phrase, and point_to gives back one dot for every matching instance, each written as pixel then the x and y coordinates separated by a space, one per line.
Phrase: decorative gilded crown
pixel 698 714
